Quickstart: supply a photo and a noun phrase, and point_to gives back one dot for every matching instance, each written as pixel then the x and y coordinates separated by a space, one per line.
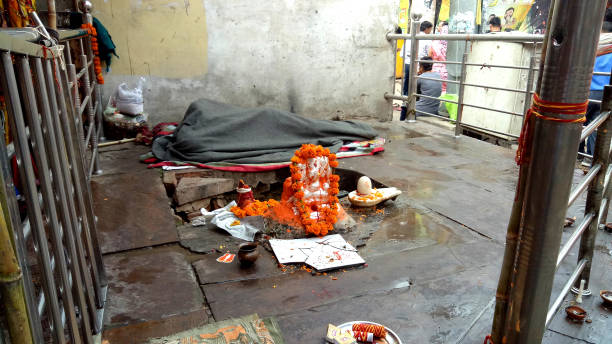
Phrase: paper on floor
pixel 326 253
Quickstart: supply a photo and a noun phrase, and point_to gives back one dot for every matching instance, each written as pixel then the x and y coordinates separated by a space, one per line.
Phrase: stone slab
pixel 206 240
pixel 134 211
pixel 122 158
pixel 150 285
pixel 142 331
pixel 192 189
pixel 434 311
pixel 299 291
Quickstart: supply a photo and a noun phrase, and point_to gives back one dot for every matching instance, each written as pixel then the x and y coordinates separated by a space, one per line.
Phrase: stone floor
pixel 432 260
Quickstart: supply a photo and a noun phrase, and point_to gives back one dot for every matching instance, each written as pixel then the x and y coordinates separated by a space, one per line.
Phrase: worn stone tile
pixel 150 285
pixel 434 311
pixel 201 239
pixel 299 291
pixel 210 271
pixel 134 211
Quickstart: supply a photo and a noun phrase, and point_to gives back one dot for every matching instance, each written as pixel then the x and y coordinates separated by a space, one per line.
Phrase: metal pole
pixel 412 80
pixel 393 77
pixel 458 129
pixel 472 37
pixel 554 146
pixel 601 155
pixel 512 234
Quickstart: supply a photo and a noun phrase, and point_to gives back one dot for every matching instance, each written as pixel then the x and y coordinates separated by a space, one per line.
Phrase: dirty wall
pixel 320 58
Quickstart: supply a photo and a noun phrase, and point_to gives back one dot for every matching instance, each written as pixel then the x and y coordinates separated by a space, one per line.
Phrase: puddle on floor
pixel 392 227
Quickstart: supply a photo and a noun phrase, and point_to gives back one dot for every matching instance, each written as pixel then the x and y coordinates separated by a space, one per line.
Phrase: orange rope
pixel 540 106
pixel 54 65
pixel 488 339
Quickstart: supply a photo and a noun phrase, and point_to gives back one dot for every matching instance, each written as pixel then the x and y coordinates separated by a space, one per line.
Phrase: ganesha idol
pixel 309 195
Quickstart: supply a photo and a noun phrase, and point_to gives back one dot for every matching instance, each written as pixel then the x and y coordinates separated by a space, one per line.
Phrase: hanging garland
pixel 324 207
pixel 91 30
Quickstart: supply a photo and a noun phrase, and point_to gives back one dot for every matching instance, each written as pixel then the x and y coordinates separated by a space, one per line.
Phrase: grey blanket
pixel 217 132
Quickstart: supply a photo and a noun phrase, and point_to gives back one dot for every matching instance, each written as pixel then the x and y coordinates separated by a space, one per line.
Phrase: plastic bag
pixel 129 101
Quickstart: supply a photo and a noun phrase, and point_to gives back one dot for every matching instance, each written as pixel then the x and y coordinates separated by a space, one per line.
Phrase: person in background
pixel 424 46
pixel 430 88
pixel 489 22
pixel 438 53
pixel 603 63
pixel 509 20
pixel 495 25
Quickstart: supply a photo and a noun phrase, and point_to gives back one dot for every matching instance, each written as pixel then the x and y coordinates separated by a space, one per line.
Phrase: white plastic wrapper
pixel 129 101
pixel 223 218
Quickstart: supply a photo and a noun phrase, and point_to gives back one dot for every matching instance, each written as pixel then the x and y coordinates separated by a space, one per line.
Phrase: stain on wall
pixel 318 58
pixel 156 37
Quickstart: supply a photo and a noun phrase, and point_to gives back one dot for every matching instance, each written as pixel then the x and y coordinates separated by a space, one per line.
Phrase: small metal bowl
pixel 606 296
pixel 576 313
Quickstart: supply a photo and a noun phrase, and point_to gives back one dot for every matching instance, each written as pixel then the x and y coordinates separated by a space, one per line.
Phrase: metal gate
pixel 45 193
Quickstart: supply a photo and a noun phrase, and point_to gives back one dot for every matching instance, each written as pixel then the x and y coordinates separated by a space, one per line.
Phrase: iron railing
pixel 597 182
pixel 47 194
pixel 86 92
pixel 410 99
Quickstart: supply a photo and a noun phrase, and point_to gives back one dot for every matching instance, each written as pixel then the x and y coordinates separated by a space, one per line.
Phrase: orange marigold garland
pixel 309 195
pixel 94 46
pixel 315 188
pixel 255 208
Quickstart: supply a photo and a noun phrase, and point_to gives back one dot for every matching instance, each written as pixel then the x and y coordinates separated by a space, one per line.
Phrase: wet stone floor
pixel 433 255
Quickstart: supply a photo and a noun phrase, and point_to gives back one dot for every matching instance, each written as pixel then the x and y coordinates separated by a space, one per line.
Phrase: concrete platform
pixel 433 258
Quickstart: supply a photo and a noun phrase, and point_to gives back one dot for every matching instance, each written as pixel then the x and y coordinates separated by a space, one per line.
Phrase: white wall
pixel 318 58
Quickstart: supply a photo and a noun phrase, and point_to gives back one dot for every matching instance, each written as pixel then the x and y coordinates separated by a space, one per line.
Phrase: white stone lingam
pixel 366 196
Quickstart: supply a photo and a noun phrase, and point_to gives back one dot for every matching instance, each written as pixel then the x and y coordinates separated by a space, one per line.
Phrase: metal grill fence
pixel 46 162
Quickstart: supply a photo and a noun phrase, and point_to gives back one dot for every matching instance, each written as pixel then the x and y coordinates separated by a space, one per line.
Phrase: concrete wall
pixel 319 58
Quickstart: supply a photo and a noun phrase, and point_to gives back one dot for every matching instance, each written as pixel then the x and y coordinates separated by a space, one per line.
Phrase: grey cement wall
pixel 319 58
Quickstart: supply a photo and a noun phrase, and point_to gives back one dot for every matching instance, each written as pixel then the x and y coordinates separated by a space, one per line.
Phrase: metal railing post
pixel 532 63
pixel 394 76
pixel 412 77
pixel 458 129
pixel 595 196
pixel 550 167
